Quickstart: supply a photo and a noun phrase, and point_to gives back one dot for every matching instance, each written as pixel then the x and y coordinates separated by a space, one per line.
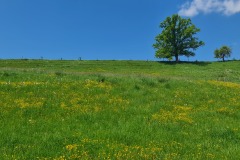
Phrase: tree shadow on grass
pixel 199 63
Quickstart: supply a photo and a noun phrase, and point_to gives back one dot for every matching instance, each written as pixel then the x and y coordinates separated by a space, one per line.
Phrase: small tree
pixel 223 52
pixel 177 38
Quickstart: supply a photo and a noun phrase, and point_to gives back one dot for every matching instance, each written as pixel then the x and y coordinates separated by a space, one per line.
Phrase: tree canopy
pixel 177 38
pixel 223 52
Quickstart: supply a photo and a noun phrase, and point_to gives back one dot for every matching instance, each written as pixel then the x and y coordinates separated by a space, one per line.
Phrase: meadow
pixel 61 110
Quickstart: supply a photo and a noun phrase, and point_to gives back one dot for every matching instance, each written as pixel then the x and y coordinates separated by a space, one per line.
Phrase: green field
pixel 119 110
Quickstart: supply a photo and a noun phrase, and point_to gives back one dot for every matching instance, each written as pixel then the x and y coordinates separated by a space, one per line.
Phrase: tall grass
pixel 119 110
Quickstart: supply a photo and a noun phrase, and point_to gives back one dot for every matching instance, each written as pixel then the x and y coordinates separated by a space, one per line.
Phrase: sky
pixel 110 29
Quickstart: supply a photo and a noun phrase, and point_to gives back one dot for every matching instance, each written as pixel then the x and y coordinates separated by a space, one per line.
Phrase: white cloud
pixel 226 7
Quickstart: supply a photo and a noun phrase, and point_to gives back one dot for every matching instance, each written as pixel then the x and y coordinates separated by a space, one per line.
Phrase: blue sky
pixel 110 29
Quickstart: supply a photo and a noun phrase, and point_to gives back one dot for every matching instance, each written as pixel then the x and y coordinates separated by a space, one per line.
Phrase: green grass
pixel 119 110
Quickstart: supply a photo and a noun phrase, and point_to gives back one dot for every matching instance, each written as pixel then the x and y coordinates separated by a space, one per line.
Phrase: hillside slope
pixel 119 110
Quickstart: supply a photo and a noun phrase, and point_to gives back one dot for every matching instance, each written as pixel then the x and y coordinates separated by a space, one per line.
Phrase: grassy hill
pixel 119 110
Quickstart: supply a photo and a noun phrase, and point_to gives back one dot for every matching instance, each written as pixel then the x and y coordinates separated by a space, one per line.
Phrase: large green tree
pixel 223 52
pixel 177 38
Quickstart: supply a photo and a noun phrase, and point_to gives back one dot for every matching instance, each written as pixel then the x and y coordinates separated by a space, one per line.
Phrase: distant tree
pixel 223 52
pixel 177 38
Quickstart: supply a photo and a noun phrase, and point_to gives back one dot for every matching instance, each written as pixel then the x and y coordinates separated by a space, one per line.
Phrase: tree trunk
pixel 223 59
pixel 176 57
